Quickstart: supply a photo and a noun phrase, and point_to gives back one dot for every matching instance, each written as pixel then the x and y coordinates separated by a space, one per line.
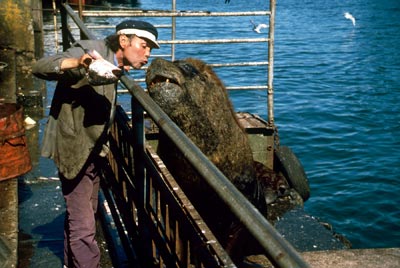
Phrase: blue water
pixel 337 95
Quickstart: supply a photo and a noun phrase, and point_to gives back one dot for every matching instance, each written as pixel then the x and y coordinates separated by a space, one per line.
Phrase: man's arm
pixel 72 62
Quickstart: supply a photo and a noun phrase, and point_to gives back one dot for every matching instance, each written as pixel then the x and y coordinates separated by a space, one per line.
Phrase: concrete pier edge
pixel 9 223
pixel 354 258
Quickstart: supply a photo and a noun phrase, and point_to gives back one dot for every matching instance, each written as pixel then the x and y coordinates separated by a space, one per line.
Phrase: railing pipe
pixel 84 30
pixel 271 37
pixel 215 41
pixel 280 252
pixel 153 13
pixel 173 32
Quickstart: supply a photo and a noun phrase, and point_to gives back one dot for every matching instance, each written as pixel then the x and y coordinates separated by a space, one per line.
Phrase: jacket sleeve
pixel 49 68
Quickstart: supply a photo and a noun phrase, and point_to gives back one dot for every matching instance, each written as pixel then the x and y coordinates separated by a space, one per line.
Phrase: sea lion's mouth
pixel 161 79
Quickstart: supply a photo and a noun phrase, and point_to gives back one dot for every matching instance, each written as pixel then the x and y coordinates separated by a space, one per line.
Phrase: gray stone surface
pixel 8 223
pixel 350 258
pixel 354 258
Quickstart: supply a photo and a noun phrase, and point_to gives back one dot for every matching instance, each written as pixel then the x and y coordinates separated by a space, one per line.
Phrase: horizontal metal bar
pixel 246 87
pixel 122 91
pixel 161 13
pixel 99 27
pixel 215 41
pixel 231 64
pixel 161 56
pixel 253 63
pixel 126 91
pixel 217 65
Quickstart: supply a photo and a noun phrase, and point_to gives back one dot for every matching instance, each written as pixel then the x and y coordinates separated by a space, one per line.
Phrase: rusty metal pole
pixel 80 8
pixel 55 24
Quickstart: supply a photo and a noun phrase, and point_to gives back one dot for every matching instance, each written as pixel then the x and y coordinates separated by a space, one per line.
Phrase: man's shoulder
pixel 99 45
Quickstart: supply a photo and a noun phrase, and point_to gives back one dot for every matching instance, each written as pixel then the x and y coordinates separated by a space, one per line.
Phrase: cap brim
pixel 153 44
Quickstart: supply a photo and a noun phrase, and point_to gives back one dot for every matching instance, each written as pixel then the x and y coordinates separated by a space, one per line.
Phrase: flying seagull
pixel 348 16
pixel 257 28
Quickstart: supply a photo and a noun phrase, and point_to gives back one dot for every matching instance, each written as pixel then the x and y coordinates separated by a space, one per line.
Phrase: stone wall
pixel 17 50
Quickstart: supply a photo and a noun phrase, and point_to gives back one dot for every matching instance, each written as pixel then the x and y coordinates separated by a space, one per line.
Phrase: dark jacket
pixel 79 118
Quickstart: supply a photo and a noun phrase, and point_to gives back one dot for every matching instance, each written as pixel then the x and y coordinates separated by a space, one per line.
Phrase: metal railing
pixel 156 222
pixel 279 251
pixel 175 15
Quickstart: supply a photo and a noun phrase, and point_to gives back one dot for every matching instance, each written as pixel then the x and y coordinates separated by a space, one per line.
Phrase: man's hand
pixel 88 57
pixel 85 60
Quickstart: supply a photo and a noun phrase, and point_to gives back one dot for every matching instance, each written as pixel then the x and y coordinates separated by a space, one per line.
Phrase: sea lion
pixel 196 100
pixel 194 97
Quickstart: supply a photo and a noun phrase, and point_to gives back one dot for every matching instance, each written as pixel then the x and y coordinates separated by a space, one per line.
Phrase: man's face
pixel 136 51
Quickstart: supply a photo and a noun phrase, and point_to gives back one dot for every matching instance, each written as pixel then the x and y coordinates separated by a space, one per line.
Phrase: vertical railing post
pixel 64 27
pixel 80 9
pixel 173 33
pixel 271 38
pixel 138 144
pixel 140 177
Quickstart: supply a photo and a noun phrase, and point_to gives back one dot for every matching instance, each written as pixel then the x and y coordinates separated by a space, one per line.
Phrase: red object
pixel 76 2
pixel 14 154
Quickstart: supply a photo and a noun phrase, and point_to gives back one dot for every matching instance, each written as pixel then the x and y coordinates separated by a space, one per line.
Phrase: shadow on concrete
pixel 41 224
pixel 52 238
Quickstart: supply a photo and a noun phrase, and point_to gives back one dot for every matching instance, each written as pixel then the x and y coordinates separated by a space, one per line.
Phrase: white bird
pixel 257 28
pixel 348 16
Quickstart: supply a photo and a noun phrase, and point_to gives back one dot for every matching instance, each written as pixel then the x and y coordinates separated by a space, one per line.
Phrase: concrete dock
pixel 352 258
pixel 355 258
pixel 44 248
pixel 8 223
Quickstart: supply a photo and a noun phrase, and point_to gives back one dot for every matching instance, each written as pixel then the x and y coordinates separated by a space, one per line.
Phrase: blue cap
pixel 141 29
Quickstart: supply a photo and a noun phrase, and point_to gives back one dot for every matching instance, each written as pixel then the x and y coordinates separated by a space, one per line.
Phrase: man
pixel 76 132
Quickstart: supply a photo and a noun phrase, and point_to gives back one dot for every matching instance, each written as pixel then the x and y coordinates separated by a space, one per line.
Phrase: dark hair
pixel 112 41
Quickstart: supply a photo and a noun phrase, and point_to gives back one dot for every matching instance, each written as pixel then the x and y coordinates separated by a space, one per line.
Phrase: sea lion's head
pixel 165 83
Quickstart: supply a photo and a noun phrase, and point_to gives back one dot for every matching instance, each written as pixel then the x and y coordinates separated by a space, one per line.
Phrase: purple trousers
pixel 81 198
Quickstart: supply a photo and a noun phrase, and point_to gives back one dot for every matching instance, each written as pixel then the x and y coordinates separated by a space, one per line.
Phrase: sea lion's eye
pixel 188 69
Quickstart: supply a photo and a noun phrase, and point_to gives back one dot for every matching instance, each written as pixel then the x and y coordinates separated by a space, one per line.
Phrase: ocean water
pixel 337 106
pixel 337 95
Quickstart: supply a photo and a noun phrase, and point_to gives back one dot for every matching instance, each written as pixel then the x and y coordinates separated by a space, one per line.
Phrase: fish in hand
pixel 99 72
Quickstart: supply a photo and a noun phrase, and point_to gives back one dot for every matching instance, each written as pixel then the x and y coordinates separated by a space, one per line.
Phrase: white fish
pixel 257 27
pixel 29 121
pixel 100 72
pixel 348 16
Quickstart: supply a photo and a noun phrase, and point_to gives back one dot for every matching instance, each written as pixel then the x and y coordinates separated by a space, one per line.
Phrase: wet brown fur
pixel 198 102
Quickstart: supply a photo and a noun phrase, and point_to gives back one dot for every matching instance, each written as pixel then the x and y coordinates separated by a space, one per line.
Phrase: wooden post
pixel 37 18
